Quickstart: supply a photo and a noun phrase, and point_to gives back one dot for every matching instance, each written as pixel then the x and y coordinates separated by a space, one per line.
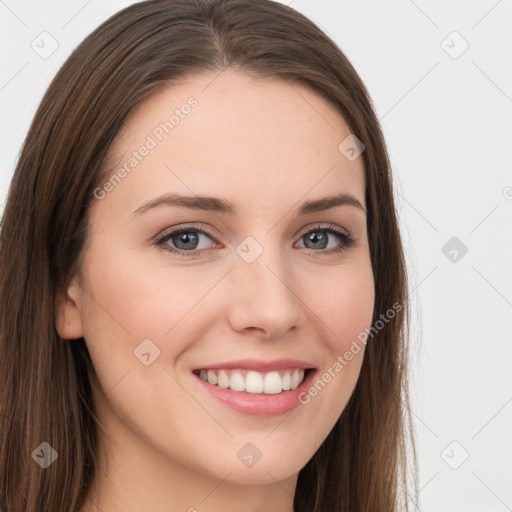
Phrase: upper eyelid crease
pixel 214 204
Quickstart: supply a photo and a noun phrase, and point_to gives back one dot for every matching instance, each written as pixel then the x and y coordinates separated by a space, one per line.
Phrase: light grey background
pixel 447 119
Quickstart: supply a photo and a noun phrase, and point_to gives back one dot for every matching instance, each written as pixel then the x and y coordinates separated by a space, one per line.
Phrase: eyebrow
pixel 214 204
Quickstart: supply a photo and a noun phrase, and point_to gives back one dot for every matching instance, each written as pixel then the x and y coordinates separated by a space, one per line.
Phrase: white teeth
pixel 270 383
pixel 295 379
pixel 253 382
pixel 273 383
pixel 287 381
pixel 212 377
pixel 236 382
pixel 223 380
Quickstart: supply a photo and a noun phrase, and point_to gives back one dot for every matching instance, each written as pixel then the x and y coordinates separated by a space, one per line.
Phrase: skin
pixel 267 147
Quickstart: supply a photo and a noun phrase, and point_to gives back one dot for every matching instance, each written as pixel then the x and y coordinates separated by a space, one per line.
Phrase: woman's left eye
pixel 345 241
pixel 186 241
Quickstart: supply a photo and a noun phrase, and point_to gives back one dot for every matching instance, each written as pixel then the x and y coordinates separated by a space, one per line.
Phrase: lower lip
pixel 259 404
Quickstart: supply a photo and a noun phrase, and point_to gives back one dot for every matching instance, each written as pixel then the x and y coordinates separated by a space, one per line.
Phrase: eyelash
pixel 347 240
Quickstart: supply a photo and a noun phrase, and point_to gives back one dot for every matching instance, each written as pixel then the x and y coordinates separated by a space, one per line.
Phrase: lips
pixel 274 391
pixel 258 365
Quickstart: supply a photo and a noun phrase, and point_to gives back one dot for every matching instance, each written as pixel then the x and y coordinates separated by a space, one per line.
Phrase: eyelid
pixel 317 225
pixel 185 227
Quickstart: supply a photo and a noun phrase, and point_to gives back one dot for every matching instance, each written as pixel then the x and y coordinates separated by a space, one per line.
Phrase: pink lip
pixel 260 404
pixel 258 365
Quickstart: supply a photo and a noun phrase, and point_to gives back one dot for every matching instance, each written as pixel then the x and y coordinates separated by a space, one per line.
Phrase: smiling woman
pixel 192 299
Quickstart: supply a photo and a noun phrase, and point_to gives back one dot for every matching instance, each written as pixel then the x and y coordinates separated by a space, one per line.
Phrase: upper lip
pixel 259 365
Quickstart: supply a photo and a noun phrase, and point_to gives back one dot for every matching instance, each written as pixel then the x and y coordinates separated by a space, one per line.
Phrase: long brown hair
pixel 45 383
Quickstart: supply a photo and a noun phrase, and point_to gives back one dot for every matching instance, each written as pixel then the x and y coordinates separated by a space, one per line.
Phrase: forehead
pixel 231 131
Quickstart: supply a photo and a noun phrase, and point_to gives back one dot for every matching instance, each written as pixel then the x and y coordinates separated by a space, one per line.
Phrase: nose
pixel 265 300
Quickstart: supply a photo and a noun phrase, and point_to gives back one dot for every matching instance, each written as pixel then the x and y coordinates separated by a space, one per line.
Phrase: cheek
pixel 346 305
pixel 128 301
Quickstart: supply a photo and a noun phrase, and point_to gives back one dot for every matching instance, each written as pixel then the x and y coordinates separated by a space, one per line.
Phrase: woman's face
pixel 263 283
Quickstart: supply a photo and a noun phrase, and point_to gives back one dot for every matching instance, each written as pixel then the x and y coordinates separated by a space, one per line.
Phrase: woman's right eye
pixel 185 241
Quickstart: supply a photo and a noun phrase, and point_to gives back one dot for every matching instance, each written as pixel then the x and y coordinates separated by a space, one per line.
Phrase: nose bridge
pixel 265 296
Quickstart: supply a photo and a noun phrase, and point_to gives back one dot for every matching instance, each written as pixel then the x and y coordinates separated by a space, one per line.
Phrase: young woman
pixel 203 294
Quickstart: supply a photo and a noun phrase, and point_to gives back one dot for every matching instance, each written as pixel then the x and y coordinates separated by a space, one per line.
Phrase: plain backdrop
pixel 440 77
